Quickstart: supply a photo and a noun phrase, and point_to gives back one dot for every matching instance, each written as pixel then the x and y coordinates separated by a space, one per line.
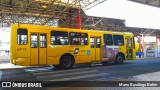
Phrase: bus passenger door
pixel 38 46
pixel 129 47
pixel 42 48
pixel 34 49
pixel 95 42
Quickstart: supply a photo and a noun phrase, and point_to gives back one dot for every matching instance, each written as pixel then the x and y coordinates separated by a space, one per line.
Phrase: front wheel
pixel 66 62
pixel 119 59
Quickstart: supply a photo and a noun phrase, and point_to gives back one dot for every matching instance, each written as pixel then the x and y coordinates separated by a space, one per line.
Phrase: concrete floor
pixel 133 70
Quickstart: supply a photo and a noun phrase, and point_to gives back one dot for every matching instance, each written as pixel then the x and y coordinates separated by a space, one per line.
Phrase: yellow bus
pixel 43 45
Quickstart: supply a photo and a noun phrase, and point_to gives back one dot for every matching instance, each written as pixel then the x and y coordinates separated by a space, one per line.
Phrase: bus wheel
pixel 119 59
pixel 56 66
pixel 66 62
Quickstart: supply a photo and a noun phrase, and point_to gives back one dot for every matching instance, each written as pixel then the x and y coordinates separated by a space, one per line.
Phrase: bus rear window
pixel 78 38
pixel 59 38
pixel 22 36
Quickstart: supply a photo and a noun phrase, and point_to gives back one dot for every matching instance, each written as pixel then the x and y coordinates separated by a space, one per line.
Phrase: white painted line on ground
pixel 38 70
pixel 100 79
pixel 74 73
pixel 79 77
pixel 115 77
pixel 54 72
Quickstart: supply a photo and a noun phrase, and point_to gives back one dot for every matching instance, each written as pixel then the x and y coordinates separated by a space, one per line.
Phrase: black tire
pixel 56 66
pixel 119 59
pixel 66 62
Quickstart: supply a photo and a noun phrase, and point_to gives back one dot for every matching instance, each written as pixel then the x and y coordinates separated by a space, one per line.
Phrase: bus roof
pixel 69 29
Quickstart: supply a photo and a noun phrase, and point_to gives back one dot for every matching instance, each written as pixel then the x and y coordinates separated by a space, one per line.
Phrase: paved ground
pixel 137 70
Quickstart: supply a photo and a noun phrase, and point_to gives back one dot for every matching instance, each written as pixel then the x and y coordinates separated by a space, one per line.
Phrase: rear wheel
pixel 66 62
pixel 119 59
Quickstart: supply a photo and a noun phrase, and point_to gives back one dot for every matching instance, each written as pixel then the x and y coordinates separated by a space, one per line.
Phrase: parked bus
pixel 42 45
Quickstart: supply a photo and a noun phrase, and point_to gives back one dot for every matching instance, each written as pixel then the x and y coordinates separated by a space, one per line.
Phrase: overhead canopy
pixel 155 3
pixel 60 12
pixel 42 12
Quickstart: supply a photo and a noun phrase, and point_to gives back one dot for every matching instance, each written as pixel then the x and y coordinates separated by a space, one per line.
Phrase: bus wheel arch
pixel 66 61
pixel 120 57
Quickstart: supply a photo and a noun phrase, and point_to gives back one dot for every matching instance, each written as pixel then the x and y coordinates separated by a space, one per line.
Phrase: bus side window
pixel 98 42
pixel 108 39
pixel 22 36
pixel 75 42
pixel 58 42
pixel 77 38
pixel 92 42
pixel 34 41
pixel 59 38
pixel 118 40
pixel 43 40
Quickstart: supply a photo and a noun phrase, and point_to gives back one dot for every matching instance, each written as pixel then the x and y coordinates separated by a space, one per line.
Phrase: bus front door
pixel 129 47
pixel 38 48
pixel 95 42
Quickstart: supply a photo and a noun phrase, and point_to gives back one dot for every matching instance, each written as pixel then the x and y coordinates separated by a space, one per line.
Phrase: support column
pixel 78 18
pixel 158 46
pixel 70 19
pixel 140 39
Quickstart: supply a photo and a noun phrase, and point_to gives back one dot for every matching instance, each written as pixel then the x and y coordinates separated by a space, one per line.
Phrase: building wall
pixel 4 48
pixel 5 41
pixel 151 49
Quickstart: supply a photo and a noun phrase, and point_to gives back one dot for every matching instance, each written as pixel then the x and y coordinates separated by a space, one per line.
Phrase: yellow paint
pixel 42 55
pixel 34 56
pixel 52 53
pixel 22 61
pixel 137 47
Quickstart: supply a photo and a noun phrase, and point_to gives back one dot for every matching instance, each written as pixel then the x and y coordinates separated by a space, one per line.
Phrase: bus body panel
pixel 54 53
pixel 13 45
pixel 51 55
pixel 22 61
pixel 34 56
pixel 110 52
pixel 80 53
pixel 43 56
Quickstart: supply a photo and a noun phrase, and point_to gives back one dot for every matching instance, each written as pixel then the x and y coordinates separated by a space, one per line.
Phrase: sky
pixel 135 14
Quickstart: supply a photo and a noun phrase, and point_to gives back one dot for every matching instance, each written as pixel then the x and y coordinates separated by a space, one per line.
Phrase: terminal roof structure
pixel 64 13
